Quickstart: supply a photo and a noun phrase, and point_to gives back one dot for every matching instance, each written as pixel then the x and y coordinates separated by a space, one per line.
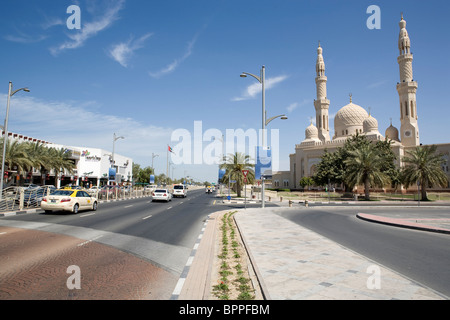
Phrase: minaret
pixel 407 87
pixel 321 104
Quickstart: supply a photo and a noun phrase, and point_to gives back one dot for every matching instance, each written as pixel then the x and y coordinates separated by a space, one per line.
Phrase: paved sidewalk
pixel 294 263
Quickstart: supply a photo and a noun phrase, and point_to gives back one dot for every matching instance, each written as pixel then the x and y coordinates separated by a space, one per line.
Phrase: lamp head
pixel 243 75
pixel 26 89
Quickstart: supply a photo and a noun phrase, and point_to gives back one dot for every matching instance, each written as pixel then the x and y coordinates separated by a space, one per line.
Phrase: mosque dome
pixel 311 132
pixel 350 115
pixel 349 120
pixel 392 133
pixel 370 124
pixel 311 135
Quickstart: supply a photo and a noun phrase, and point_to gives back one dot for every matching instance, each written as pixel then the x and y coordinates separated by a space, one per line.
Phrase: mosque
pixel 353 119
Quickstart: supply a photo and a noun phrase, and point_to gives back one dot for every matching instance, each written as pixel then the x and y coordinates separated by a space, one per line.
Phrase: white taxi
pixel 69 200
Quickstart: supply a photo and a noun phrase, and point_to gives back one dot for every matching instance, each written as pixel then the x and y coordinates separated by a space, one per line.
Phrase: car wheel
pixel 75 208
pixel 94 206
pixel 48 211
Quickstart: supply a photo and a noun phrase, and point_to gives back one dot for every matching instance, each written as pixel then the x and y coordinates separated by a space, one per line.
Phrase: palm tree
pixel 39 155
pixel 234 164
pixel 364 166
pixel 16 156
pixel 60 161
pixel 423 166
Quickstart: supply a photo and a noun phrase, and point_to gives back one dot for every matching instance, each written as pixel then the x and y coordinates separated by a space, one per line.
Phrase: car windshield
pixel 161 190
pixel 62 193
pixel 178 187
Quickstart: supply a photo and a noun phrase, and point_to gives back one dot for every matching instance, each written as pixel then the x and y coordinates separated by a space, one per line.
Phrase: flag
pixel 170 149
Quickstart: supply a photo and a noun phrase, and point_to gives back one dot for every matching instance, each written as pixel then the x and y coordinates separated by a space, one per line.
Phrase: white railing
pixel 19 198
pixel 120 193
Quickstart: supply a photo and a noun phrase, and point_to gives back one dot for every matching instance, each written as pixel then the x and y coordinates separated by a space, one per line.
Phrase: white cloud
pixel 91 29
pixel 296 105
pixel 292 107
pixel 122 52
pixel 172 66
pixel 75 124
pixel 52 22
pixel 376 84
pixel 255 88
pixel 25 38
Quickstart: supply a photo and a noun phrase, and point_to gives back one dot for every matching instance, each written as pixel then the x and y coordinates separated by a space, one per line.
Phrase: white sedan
pixel 162 194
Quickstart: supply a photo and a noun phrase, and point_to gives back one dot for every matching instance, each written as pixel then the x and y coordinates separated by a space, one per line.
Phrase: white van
pixel 179 190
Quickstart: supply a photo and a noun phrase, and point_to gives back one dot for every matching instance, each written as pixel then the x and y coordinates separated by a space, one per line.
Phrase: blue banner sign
pixel 112 174
pixel 263 166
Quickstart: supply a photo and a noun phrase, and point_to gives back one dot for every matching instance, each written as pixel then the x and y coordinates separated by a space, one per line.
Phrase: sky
pixel 146 69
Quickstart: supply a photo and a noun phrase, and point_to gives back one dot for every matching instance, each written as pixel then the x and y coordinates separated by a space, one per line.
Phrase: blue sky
pixel 143 69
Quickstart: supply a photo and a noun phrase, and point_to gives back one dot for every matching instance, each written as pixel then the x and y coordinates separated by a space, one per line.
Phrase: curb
pixel 13 213
pixel 39 210
pixel 262 285
pixel 400 223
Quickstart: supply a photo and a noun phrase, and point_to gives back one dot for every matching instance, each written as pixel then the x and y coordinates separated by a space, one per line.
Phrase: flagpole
pixel 167 173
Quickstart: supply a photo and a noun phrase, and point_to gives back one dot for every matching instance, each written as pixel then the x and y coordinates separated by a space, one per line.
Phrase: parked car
pixel 93 190
pixel 33 196
pixel 150 188
pixel 109 191
pixel 126 190
pixel 161 194
pixel 69 200
pixel 70 187
pixel 31 186
pixel 179 190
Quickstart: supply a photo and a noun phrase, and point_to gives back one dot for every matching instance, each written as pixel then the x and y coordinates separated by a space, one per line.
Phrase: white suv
pixel 179 190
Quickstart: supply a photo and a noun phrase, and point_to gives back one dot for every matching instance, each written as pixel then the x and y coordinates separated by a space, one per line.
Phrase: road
pixel 124 243
pixel 418 255
pixel 137 249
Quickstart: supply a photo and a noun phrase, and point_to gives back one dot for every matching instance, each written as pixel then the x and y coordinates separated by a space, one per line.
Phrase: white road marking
pixel 128 206
pixel 179 286
pixel 147 217
pixel 189 262
pixel 89 241
pixel 87 215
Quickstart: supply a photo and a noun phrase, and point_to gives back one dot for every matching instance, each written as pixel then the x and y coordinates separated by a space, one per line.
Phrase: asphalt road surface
pixel 137 249
pixel 131 249
pixel 418 255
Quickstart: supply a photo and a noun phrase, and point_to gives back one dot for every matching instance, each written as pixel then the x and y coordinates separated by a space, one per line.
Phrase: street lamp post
pixel 265 121
pixel 282 116
pixel 5 129
pixel 115 138
pixel 153 157
pixel 262 80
